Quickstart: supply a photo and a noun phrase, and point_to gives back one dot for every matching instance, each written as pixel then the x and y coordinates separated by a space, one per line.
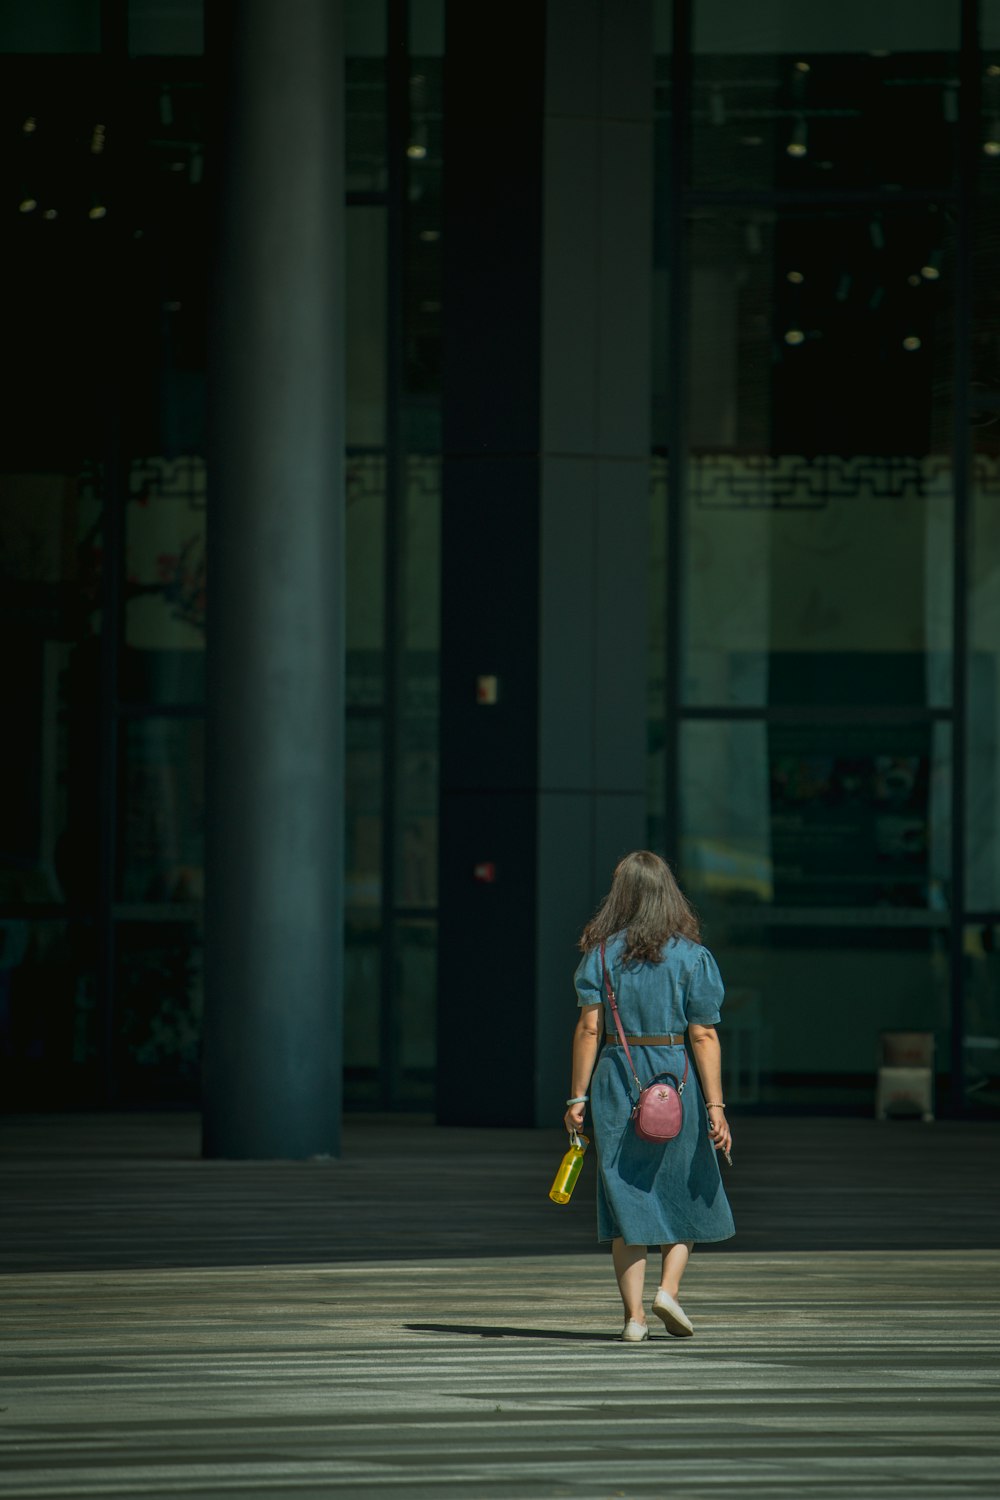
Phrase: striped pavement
pixel 836 1373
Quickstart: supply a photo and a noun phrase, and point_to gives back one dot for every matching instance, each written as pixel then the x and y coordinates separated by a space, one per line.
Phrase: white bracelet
pixel 580 1099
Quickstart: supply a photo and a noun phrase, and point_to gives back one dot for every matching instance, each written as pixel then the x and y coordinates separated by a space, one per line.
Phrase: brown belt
pixel 671 1039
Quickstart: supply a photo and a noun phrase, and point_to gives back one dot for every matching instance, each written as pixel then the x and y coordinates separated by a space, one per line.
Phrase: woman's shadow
pixel 495 1331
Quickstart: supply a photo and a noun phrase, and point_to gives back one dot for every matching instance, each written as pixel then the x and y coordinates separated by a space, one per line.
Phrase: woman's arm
pixel 586 1038
pixel 708 1061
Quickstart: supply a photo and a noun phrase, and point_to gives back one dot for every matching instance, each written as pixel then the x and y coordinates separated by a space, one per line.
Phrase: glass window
pixel 362 1010
pixel 983 662
pixel 365 101
pixel 423 257
pixel 981 1037
pixel 54 26
pixel 363 799
pixel 816 814
pixel 816 97
pixel 820 474
pixel 158 1006
pixel 420 630
pixel 163 827
pixel 807 999
pixel 366 279
pixel 50 1037
pixel 165 575
pixel 656 767
pixel 50 575
pixel 417 990
pixel 365 527
pixel 166 28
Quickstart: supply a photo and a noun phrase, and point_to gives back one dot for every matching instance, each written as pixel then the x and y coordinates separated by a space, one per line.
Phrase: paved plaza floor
pixel 417 1320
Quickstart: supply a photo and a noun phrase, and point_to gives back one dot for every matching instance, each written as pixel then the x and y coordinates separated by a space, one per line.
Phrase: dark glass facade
pixel 823 556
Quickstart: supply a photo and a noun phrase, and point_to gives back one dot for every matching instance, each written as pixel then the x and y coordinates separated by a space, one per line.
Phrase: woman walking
pixel 644 942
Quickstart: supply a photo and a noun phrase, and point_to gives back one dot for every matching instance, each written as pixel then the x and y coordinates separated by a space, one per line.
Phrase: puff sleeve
pixel 704 992
pixel 589 979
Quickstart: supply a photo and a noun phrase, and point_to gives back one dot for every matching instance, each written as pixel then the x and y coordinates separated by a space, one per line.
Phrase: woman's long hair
pixel 646 903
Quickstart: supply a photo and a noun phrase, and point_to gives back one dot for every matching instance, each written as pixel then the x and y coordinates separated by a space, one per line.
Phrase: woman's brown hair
pixel 646 903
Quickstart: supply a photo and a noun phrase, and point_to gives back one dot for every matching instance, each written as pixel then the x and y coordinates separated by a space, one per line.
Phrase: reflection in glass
pixel 417 1009
pixel 50 577
pixel 158 1002
pixel 365 230
pixel 365 96
pixel 163 832
pixel 165 572
pixel 814 491
pixel 983 662
pixel 48 1012
pixel 840 817
pixel 656 657
pixel 420 630
pixel 365 540
pixel 363 801
pixel 981 1037
pixel 806 1001
pixel 362 1011
pixel 818 97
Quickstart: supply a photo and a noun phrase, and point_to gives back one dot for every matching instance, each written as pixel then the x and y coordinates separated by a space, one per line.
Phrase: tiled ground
pixel 418 1321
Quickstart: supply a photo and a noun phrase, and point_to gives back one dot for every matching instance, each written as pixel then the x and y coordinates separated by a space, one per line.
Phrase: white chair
pixel 906 1075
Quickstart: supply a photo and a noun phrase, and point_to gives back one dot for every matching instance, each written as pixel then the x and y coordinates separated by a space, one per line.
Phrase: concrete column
pixel 272 1032
pixel 546 485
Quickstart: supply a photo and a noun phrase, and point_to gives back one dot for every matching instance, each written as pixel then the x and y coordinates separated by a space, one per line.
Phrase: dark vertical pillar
pixel 546 483
pixel 272 1035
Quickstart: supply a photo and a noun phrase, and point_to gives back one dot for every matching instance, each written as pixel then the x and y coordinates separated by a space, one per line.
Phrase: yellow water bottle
pixel 561 1190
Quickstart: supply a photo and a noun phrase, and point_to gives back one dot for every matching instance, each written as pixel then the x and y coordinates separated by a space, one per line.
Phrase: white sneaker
pixel 634 1333
pixel 675 1320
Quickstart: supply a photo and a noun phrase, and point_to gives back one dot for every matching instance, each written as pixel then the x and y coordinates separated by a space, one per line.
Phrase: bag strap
pixel 617 1018
pixel 621 1034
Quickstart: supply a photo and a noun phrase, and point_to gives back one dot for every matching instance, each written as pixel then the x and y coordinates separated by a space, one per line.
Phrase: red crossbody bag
pixel 658 1113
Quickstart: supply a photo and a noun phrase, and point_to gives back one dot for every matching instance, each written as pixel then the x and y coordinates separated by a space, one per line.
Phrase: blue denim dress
pixel 654 1194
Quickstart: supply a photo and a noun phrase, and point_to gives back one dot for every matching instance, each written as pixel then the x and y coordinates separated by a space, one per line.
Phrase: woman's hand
pixel 573 1118
pixel 718 1128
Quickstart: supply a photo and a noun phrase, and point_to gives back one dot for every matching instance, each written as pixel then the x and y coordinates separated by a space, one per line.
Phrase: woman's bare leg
pixel 675 1259
pixel 630 1269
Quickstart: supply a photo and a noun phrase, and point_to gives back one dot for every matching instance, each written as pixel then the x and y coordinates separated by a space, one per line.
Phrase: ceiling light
pixel 416 152
pixel 795 336
pixel 30 125
pixel 798 145
pixel 97 212
pixel 795 277
pixel 802 67
pixel 991 147
pixel 28 205
pixel 51 213
pixel 914 279
pixel 930 272
pixel 911 342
